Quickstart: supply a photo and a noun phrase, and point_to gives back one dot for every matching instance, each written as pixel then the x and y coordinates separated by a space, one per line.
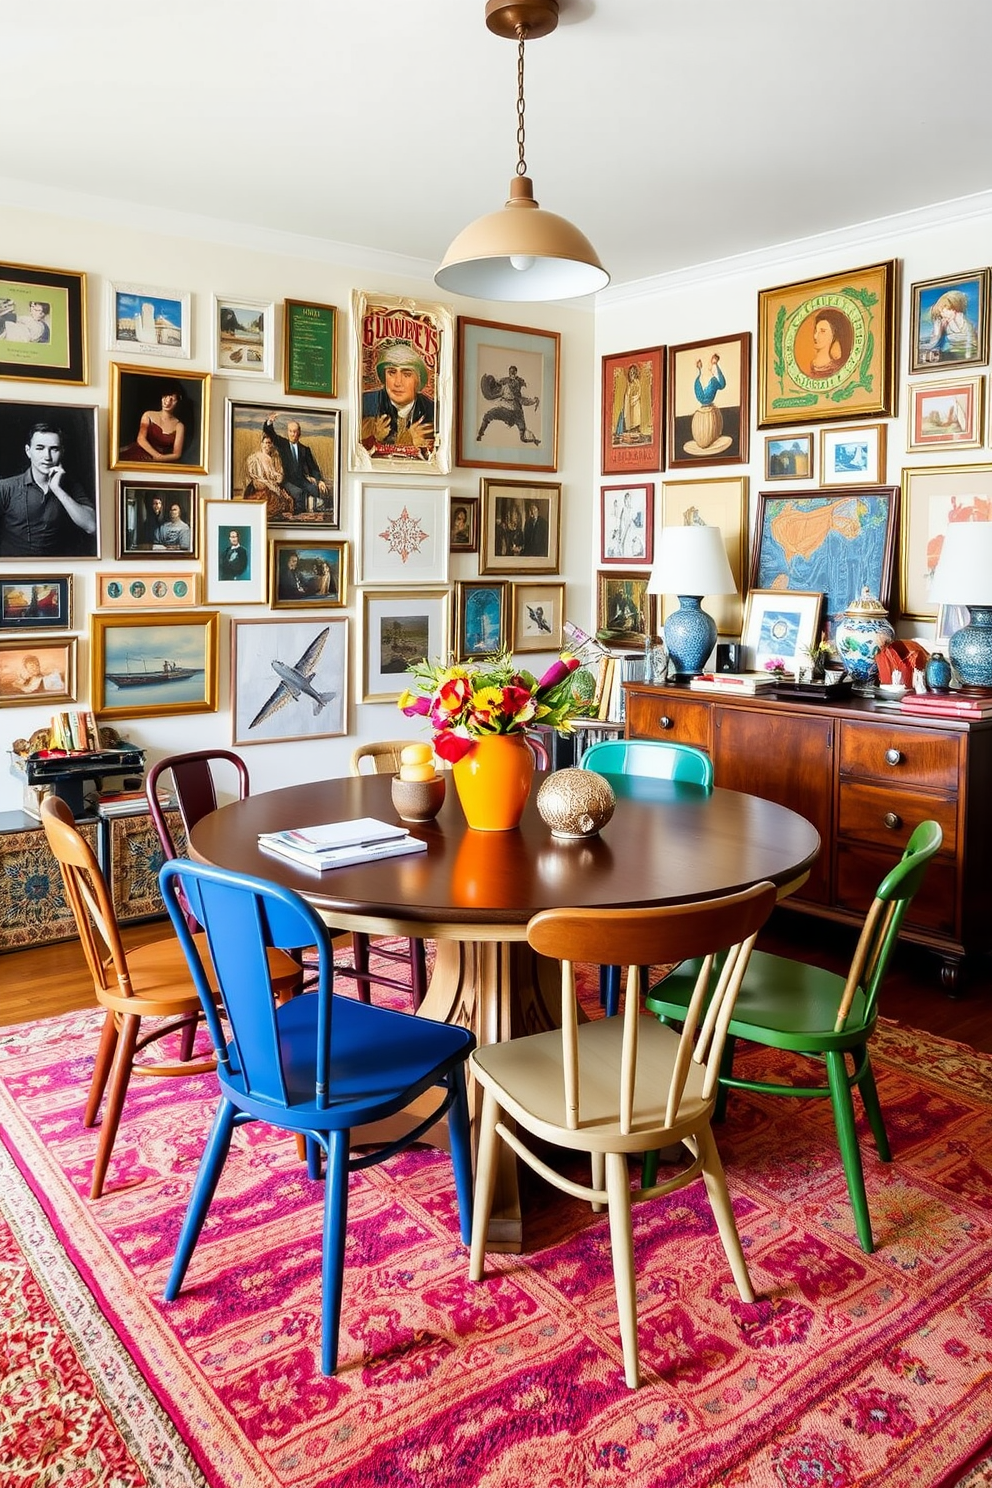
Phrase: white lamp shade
pixel 964 569
pixel 521 253
pixel 692 561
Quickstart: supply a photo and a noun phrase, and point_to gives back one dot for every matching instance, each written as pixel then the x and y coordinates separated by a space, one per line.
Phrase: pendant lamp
pixel 521 252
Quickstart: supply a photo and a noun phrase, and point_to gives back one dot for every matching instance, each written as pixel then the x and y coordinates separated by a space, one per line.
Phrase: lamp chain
pixel 521 162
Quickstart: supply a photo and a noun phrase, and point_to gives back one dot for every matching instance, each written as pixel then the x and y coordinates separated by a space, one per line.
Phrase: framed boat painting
pixel 632 428
pixel 145 666
pixel 708 400
pixel 826 347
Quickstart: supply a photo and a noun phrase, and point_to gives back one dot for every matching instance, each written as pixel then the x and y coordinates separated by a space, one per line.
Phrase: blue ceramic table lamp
pixel 964 576
pixel 691 563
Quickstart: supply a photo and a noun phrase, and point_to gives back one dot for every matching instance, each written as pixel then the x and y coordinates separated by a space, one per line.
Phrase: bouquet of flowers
pixel 494 697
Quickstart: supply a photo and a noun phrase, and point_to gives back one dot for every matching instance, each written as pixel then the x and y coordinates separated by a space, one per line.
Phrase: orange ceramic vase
pixel 493 782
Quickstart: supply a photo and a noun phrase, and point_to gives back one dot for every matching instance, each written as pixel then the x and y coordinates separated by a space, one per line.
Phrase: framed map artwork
pixel 833 543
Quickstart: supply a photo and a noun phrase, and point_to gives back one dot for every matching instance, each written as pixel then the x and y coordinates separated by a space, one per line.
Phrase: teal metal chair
pixel 660 760
pixel 317 1065
pixel 785 1004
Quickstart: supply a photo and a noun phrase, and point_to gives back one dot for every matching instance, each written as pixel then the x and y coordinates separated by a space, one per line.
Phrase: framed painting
pixel 308 574
pixel 157 520
pixel 788 457
pixel 826 347
pixel 244 338
pixel 507 415
pixel 154 665
pixel 464 534
pixel 829 543
pixel 950 619
pixel 538 616
pixel 626 524
pixel 147 591
pixel 400 627
pixel 708 401
pixel 482 620
pixel 721 502
pixel 947 414
pixel 521 526
pixel 39 602
pixel 287 458
pixel 42 324
pixel 624 609
pixel 309 366
pixel 780 626
pixel 633 385
pixel 49 445
pixel 401 385
pixel 949 322
pixel 932 498
pixel 289 679
pixel 148 322
pixel 853 457
pixel 159 417
pixel 37 673
pixel 235 556
pixel 404 535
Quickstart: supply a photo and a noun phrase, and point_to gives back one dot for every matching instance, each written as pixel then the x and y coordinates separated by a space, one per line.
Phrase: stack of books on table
pixel 946 705
pixel 130 802
pixel 338 844
pixel 747 683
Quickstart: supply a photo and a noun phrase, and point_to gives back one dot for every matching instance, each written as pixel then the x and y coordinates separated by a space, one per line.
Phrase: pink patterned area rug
pixel 851 1369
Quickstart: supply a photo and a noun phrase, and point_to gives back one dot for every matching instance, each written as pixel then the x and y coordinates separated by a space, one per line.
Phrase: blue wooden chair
pixel 785 1004
pixel 317 1065
pixel 661 760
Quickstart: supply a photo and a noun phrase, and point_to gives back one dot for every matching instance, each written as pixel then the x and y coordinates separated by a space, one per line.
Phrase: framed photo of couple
pixel 288 459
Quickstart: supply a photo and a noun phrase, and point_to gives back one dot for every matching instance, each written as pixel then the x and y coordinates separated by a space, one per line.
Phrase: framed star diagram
pixel 404 535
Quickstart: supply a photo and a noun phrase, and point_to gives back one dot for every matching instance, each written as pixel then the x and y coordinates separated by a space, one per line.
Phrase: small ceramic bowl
pixel 418 800
pixel 892 689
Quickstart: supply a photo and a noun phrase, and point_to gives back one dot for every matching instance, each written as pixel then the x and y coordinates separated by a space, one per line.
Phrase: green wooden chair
pixel 786 1004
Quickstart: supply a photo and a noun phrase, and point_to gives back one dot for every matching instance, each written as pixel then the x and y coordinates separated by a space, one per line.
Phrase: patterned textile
pixel 135 856
pixel 33 908
pixel 849 1370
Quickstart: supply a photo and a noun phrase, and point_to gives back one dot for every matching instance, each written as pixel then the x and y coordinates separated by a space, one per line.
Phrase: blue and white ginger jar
pixel 862 632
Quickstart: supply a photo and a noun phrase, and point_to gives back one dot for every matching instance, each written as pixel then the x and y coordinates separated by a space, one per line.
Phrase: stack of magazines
pixel 338 844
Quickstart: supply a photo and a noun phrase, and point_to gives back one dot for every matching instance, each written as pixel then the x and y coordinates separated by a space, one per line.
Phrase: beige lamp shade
pixel 521 253
pixel 964 569
pixel 691 560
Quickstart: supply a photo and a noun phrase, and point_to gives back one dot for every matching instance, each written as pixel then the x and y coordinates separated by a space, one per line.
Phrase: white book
pixel 344 857
pixel 359 832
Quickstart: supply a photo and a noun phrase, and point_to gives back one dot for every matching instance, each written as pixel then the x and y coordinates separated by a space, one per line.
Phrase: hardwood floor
pixel 41 982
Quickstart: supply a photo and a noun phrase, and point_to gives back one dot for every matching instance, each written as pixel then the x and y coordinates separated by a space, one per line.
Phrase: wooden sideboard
pixel 865 775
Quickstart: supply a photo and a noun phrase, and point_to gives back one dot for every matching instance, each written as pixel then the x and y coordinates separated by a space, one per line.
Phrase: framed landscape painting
pixel 632 429
pixel 949 322
pixel 826 542
pixel 708 401
pixel 826 347
pixel 289 679
pixel 399 628
pixel 789 457
pixel 852 457
pixel 507 415
pixel 148 322
pixel 42 324
pixel 144 666
pixel 244 335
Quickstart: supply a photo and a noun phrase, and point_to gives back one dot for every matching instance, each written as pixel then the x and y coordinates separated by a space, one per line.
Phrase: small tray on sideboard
pixel 812 692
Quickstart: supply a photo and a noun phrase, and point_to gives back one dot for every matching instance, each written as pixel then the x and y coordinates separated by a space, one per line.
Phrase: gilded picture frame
pixel 946 415
pixel 405 348
pixel 35 602
pixel 400 627
pixel 521 527
pixel 35 672
pixel 788 457
pixel 708 401
pixel 633 431
pixel 949 322
pixel 42 324
pixel 122 590
pixel 538 616
pixel 625 611
pixel 464 534
pixel 137 398
pixel 933 496
pixel 827 347
pixel 482 618
pixel 507 414
pixel 721 501
pixel 308 573
pixel 177 651
pixel 301 489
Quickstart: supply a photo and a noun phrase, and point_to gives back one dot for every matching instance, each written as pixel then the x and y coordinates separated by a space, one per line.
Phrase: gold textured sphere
pixel 575 803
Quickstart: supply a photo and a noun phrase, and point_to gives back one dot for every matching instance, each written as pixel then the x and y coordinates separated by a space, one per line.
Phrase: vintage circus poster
pixel 401 384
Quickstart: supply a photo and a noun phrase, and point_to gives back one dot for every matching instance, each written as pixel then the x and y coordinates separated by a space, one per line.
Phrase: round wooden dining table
pixel 473 893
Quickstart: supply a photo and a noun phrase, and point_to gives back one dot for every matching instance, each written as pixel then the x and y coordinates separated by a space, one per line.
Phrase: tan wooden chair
pixel 149 981
pixel 613 1087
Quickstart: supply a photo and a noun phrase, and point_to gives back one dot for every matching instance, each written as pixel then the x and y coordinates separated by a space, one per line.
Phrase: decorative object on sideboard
pixel 521 252
pixel 692 563
pixel 938 672
pixel 418 791
pixel 576 803
pixel 964 576
pixel 862 632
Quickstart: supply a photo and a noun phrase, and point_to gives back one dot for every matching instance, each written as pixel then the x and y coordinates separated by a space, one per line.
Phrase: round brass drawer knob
pixel 892 821
pixel 893 756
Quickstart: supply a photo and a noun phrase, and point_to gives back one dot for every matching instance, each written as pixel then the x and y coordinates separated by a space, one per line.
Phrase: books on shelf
pixel 746 683
pixel 74 730
pixel 342 857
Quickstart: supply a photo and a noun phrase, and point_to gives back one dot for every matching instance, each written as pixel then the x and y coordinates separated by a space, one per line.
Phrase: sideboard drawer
pixel 888 818
pixel 664 716
pixel 860 870
pixel 900 756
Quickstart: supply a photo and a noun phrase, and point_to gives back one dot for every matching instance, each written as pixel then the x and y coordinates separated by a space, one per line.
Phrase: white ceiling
pixel 673 132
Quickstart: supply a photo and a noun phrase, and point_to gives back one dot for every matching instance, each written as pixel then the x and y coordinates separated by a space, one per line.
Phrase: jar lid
pixel 866 605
